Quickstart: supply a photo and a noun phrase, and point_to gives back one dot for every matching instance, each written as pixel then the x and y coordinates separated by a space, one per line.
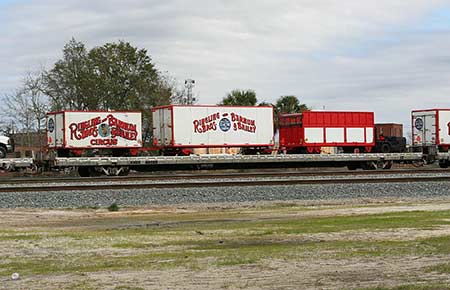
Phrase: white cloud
pixel 342 54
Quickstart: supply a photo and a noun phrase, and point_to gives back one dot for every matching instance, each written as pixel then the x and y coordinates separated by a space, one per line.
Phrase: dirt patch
pixel 13 218
pixel 275 274
pixel 391 235
pixel 306 271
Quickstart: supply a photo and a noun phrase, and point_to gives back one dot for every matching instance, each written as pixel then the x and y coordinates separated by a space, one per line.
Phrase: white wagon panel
pixel 215 126
pixel 355 135
pixel 335 135
pixel 444 127
pixel 424 127
pixel 314 135
pixel 90 129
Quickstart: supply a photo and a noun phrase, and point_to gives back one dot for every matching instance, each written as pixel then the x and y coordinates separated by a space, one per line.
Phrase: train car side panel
pixel 59 130
pixel 355 135
pixel 218 126
pixel 314 135
pixel 55 130
pixel 424 128
pixel 162 127
pixel 51 130
pixel 321 128
pixel 335 135
pixel 95 130
pixel 370 138
pixel 290 133
pixel 444 128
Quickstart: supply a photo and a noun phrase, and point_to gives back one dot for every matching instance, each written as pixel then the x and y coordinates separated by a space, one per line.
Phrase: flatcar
pixel 180 130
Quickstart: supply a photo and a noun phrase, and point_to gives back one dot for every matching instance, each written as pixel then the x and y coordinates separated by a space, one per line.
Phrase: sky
pixel 385 56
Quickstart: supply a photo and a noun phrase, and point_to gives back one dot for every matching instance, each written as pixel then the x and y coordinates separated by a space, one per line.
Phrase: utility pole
pixel 189 84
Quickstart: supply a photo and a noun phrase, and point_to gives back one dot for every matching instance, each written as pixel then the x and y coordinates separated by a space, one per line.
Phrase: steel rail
pixel 277 182
pixel 229 175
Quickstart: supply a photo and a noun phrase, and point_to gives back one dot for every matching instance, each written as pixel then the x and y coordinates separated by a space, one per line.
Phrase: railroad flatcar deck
pixel 217 159
pixel 11 163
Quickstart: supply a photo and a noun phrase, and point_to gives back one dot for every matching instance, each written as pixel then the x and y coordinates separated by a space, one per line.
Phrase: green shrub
pixel 113 207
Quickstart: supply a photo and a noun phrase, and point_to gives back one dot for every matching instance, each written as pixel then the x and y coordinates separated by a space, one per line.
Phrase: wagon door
pixel 424 128
pixel 51 131
pixel 162 127
pixel 55 130
pixel 59 130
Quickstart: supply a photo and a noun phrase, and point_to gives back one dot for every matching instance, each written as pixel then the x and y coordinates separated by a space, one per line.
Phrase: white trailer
pixel 431 128
pixel 94 130
pixel 177 126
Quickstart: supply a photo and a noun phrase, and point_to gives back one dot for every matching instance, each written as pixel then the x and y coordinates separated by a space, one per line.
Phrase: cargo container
pixel 431 128
pixel 389 138
pixel 178 126
pixel 311 130
pixel 94 130
pixel 388 129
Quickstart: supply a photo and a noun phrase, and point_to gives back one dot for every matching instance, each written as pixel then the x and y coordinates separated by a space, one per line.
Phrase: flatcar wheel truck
pixel 90 171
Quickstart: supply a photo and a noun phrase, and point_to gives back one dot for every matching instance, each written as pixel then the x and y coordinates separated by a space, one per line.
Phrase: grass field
pixel 270 246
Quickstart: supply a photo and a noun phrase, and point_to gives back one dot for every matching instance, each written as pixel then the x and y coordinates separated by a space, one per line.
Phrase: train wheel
pixel 352 166
pixel 385 148
pixel 125 171
pixel 443 163
pixel 2 152
pixel 349 150
pixel 443 148
pixel 84 171
pixel 385 164
pixel 418 163
pixel 369 166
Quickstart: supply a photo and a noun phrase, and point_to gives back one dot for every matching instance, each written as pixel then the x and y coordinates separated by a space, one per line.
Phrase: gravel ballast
pixel 173 196
pixel 219 180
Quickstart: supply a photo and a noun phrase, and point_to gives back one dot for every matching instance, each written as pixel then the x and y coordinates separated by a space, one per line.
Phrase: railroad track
pixel 235 183
pixel 199 176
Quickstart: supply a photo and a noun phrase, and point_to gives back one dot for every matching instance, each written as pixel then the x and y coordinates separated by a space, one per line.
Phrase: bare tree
pixel 39 104
pixel 28 105
pixel 179 92
pixel 19 107
pixel 7 127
